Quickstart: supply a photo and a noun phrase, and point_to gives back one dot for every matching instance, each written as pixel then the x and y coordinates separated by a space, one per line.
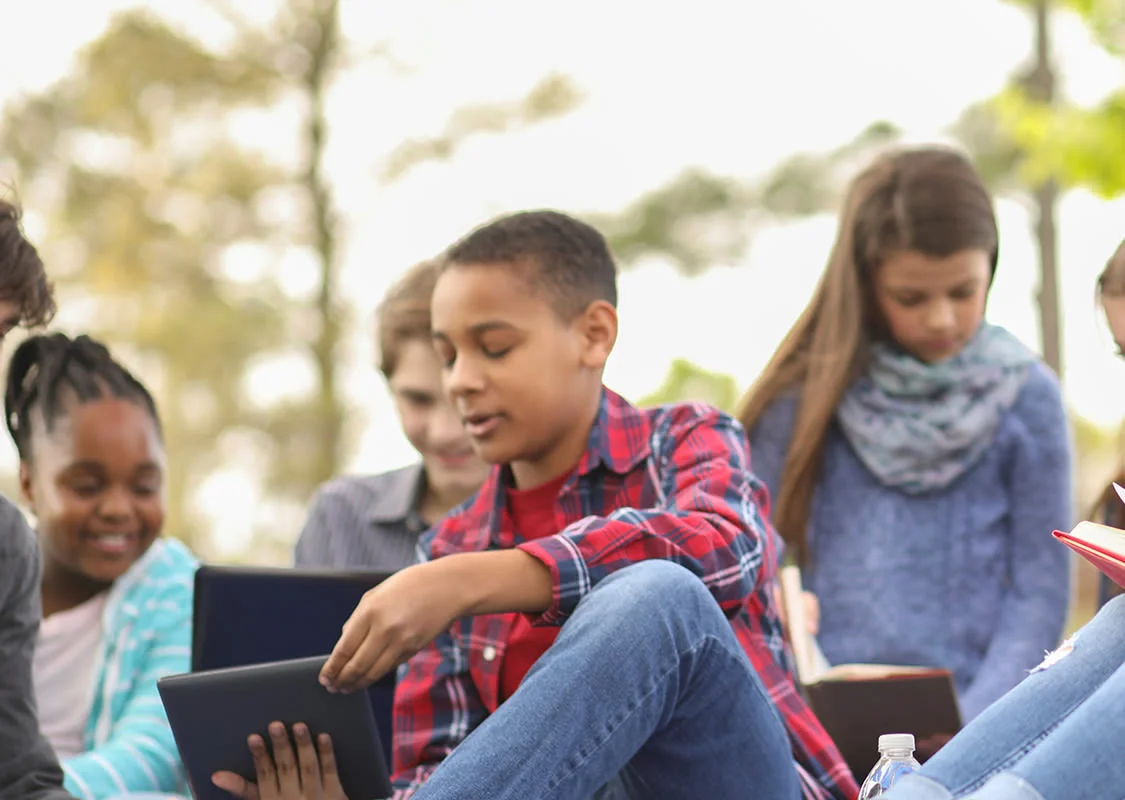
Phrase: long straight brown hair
pixel 1111 283
pixel 929 200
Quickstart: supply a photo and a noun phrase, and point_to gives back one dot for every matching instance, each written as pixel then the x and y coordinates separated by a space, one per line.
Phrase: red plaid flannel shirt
pixel 689 497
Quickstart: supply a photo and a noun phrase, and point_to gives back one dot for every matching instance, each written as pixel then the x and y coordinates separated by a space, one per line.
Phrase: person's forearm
pixel 33 775
pixel 28 767
pixel 499 581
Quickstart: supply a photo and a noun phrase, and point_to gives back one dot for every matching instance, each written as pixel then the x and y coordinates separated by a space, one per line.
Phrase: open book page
pixel 1100 537
pixel 870 672
pixel 1101 545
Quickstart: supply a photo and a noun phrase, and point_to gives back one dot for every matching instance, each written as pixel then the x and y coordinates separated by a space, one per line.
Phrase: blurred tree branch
pixel 155 210
pixel 553 96
pixel 694 221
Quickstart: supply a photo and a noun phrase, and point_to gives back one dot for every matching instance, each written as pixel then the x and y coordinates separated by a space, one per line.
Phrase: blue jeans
pixel 645 693
pixel 1056 736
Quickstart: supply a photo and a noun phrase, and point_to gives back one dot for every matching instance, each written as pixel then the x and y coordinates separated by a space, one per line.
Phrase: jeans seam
pixel 585 751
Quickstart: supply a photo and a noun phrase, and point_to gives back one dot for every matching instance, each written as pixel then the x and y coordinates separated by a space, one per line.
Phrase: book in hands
pixel 857 703
pixel 1101 545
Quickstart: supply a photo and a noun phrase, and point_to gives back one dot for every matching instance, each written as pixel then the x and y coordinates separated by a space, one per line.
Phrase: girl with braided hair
pixel 117 597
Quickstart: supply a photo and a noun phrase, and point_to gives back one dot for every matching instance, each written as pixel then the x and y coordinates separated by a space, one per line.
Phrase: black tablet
pixel 251 615
pixel 212 713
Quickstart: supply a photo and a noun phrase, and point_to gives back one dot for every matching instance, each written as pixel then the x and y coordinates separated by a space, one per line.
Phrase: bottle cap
pixel 896 741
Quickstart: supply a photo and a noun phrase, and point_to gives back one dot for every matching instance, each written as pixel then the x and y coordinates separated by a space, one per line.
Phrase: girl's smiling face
pixel 95 482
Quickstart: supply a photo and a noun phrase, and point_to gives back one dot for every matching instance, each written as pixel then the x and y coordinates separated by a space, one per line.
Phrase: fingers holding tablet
pixel 212 711
pixel 235 785
pixel 317 763
pixel 329 775
pixel 307 757
pixel 308 774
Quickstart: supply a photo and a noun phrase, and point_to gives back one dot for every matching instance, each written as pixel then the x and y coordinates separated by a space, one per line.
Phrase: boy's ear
pixel 598 326
pixel 25 484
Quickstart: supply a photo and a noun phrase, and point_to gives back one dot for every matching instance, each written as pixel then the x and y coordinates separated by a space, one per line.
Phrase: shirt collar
pixel 618 442
pixel 400 496
pixel 619 438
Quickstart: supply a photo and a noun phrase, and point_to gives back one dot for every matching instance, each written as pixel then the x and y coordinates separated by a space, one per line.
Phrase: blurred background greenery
pixel 191 175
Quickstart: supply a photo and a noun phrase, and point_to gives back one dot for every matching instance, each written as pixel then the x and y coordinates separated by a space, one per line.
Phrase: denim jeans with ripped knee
pixel 1056 736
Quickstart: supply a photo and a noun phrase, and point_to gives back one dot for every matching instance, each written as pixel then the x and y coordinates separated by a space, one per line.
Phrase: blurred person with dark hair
pixel 28 767
pixel 116 594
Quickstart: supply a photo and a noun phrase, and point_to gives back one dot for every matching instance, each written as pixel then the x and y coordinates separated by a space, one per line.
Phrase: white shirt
pixel 64 673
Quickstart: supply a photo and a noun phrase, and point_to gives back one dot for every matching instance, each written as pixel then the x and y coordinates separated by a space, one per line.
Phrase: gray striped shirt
pixel 364 522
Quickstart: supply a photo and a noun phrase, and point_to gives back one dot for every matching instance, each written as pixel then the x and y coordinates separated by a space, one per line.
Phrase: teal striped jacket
pixel 128 744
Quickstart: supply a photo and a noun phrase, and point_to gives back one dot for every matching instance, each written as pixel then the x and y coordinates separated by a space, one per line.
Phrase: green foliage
pixel 695 221
pixel 810 183
pixel 554 96
pixel 1104 18
pixel 150 201
pixel 995 153
pixel 698 220
pixel 687 381
pixel 1072 145
pixel 803 184
pixel 145 193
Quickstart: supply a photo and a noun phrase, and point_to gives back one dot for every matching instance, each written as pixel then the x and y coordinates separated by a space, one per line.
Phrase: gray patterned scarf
pixel 918 427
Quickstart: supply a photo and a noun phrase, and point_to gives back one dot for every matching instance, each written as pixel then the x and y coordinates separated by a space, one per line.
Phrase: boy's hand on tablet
pixel 310 774
pixel 408 610
pixel 392 622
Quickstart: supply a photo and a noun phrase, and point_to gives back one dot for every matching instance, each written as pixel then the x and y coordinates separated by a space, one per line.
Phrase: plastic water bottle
pixel 896 758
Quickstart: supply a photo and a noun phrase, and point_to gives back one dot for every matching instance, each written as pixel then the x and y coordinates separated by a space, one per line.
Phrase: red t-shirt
pixel 533 515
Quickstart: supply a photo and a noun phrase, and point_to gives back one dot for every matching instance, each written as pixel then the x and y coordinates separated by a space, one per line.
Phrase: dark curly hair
pixel 22 277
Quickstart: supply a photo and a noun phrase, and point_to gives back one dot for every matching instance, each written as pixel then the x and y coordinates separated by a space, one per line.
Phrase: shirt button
pixel 489 653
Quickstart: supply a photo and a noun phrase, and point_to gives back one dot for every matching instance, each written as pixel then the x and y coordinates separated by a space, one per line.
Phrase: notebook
pixel 1101 545
pixel 857 703
pixel 252 615
pixel 212 713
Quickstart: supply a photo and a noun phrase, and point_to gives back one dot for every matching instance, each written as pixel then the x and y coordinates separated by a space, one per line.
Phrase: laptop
pixel 212 713
pixel 253 615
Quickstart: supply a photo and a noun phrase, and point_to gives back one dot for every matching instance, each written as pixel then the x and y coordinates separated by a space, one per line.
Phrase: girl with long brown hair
pixel 918 456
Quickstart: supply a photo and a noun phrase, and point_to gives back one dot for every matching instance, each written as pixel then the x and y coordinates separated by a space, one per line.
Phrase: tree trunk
pixel 322 45
pixel 1041 85
pixel 1050 316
